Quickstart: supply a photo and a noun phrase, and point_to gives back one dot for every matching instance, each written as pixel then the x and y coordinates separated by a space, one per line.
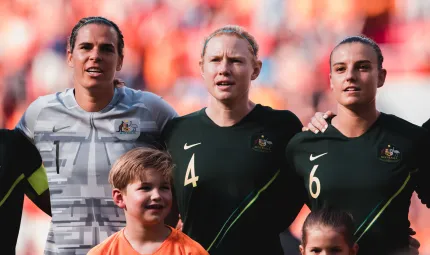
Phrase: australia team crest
pixel 389 153
pixel 261 143
pixel 127 129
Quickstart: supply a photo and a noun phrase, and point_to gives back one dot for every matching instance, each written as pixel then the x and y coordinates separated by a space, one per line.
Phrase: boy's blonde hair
pixel 134 164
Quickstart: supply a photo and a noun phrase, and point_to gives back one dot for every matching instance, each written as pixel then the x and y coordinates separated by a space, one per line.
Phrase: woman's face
pixel 95 58
pixel 355 76
pixel 228 68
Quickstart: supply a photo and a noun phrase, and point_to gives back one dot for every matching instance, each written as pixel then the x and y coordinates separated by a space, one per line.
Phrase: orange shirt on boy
pixel 177 243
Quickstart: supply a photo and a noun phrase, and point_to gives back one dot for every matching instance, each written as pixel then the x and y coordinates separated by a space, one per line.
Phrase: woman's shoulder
pixel 402 127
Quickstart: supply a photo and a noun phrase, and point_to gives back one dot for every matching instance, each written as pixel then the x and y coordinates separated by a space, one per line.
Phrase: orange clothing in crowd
pixel 177 243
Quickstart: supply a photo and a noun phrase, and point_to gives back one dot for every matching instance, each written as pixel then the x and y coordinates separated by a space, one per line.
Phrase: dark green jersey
pixel 372 176
pixel 234 192
pixel 21 171
pixel 427 125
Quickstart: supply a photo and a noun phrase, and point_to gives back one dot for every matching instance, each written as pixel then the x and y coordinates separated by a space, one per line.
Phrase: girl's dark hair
pixel 363 40
pixel 96 20
pixel 333 218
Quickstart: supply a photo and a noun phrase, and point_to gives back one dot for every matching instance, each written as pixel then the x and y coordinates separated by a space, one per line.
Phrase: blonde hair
pixel 134 164
pixel 237 31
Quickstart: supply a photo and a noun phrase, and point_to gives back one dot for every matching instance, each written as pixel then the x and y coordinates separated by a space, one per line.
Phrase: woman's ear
pixel 69 58
pixel 257 70
pixel 381 77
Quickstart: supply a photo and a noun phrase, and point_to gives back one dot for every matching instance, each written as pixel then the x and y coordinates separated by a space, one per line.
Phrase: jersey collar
pixel 70 100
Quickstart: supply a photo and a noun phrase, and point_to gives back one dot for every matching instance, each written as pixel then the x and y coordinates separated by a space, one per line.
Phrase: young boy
pixel 141 180
pixel 328 232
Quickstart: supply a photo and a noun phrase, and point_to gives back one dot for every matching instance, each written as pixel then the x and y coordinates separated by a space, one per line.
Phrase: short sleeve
pixel 31 165
pixel 161 110
pixel 29 118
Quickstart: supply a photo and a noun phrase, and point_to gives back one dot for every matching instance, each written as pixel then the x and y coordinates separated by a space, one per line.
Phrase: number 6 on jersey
pixel 191 172
pixel 313 179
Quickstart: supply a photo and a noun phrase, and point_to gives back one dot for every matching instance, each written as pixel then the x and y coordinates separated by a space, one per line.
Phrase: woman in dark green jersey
pixel 234 190
pixel 21 172
pixel 366 162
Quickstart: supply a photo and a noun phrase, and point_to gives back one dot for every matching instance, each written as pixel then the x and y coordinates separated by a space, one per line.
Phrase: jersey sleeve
pixel 29 118
pixel 423 172
pixel 427 125
pixel 290 151
pixel 161 110
pixel 31 166
pixel 165 133
pixel 296 127
pixel 293 179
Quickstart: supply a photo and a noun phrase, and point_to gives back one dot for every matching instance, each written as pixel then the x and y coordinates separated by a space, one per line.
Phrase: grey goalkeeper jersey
pixel 78 149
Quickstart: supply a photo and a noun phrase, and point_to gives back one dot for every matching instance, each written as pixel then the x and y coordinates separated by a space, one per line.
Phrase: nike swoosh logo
pixel 58 129
pixel 186 147
pixel 311 158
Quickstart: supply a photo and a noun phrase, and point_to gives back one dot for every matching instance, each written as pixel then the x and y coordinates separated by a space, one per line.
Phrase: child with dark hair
pixel 328 231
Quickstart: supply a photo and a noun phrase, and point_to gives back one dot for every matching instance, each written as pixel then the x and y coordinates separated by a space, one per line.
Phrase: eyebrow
pixel 101 44
pixel 228 57
pixel 358 62
pixel 150 183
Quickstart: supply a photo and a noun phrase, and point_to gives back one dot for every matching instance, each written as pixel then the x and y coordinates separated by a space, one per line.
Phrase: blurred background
pixel 163 41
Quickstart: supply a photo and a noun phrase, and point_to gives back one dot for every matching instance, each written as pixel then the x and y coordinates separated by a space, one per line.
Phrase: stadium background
pixel 163 41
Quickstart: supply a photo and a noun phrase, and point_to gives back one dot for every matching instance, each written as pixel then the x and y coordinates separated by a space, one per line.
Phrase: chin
pixel 152 221
pixel 350 102
pixel 224 97
pixel 220 95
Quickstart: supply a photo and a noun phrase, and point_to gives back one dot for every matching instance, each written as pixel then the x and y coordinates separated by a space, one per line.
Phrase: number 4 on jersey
pixel 191 173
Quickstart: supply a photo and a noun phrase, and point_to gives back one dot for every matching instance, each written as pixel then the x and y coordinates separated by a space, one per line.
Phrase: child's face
pixel 148 201
pixel 324 240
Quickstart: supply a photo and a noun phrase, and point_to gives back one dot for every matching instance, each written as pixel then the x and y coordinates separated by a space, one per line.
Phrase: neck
pixel 95 99
pixel 225 114
pixel 146 239
pixel 355 121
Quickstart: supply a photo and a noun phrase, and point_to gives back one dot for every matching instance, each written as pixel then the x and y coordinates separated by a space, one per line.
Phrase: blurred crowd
pixel 163 41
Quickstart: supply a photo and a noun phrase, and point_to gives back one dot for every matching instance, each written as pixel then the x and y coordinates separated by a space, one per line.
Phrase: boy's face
pixel 148 201
pixel 323 240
